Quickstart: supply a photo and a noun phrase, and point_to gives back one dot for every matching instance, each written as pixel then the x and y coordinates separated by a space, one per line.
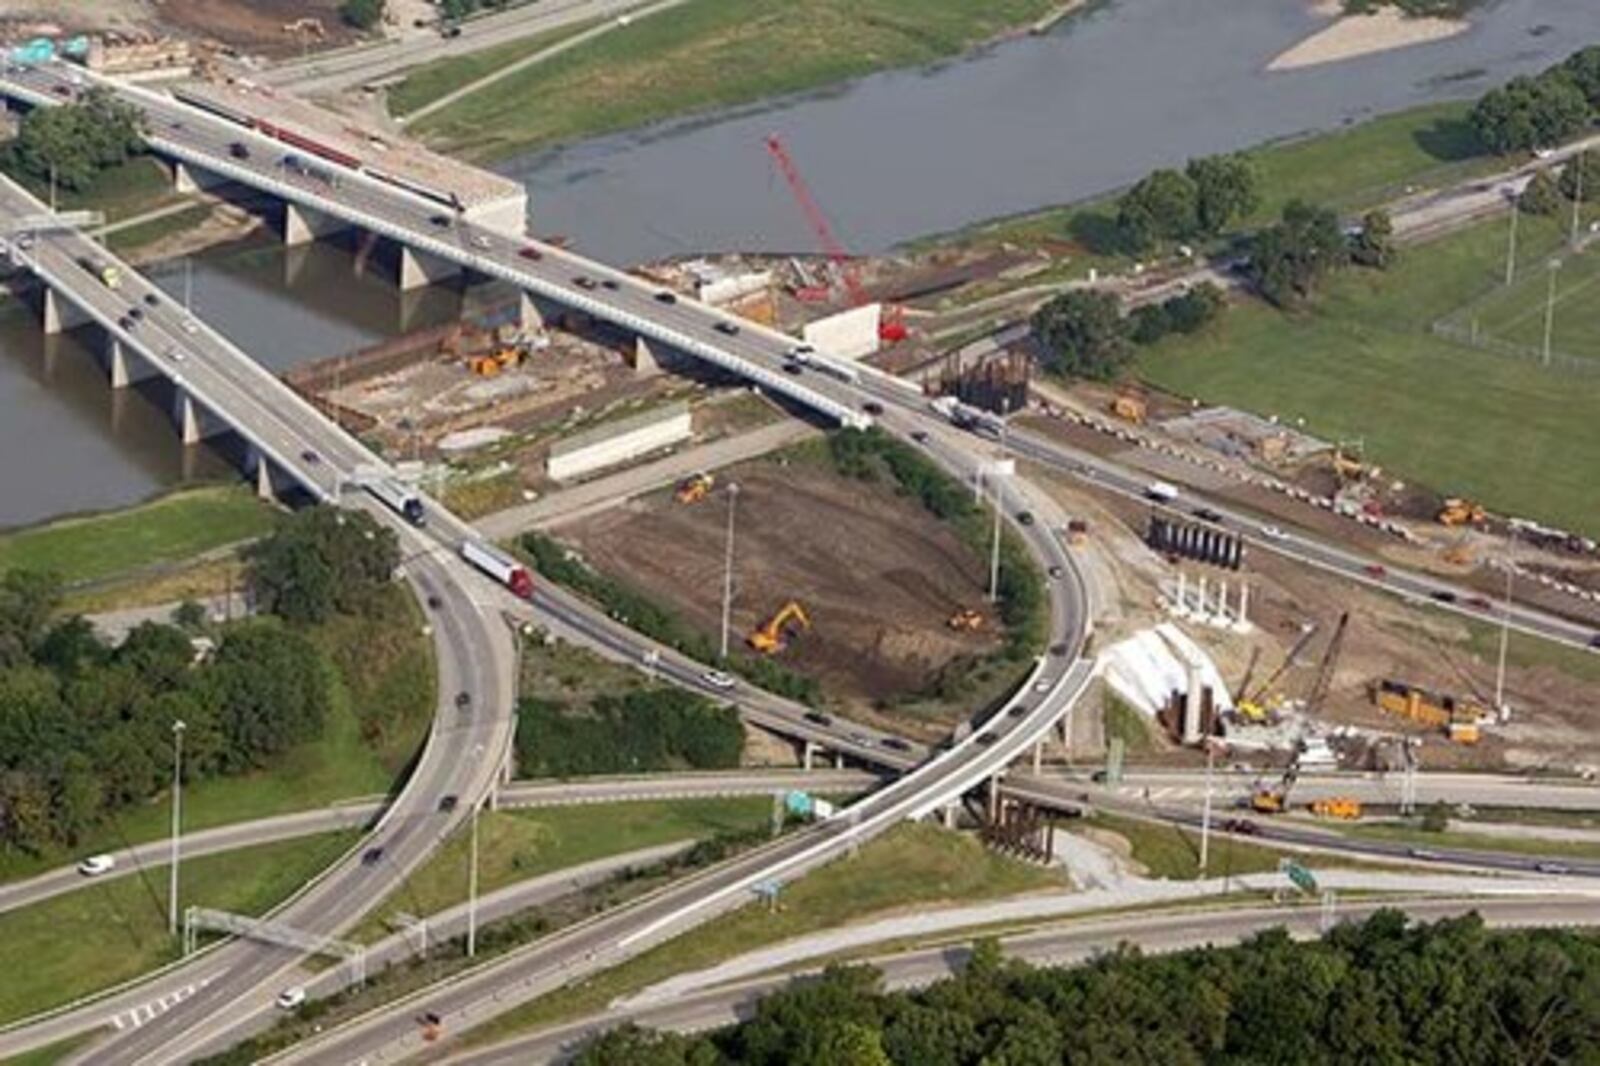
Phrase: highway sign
pixel 799 803
pixel 1299 876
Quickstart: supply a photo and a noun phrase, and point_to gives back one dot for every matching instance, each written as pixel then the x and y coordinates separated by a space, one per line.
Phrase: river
pixel 1110 95
pixel 1128 86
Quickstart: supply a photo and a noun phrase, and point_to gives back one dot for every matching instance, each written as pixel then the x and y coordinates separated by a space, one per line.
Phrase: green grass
pixel 385 671
pixel 1361 364
pixel 1128 724
pixel 1516 313
pixel 136 186
pixel 556 670
pixel 172 528
pixel 1171 852
pixel 1411 834
pixel 710 54
pixel 114 930
pixel 426 83
pixel 913 865
pixel 518 845
pixel 134 237
pixel 51 1054
pixel 1350 169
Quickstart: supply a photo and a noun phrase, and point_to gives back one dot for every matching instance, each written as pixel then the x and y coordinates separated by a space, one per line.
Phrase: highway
pixel 1065 945
pixel 473 648
pixel 757 354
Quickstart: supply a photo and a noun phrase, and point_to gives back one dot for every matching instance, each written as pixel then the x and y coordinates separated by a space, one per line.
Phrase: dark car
pixel 1444 596
pixel 818 718
pixel 531 252
pixel 1025 517
pixel 1056 573
pixel 791 367
pixel 985 739
pixel 1058 649
pixel 463 699
pixel 136 313
pixel 664 297
pixel 448 803
pixel 582 282
pixel 872 407
pixel 434 601
pixel 1206 514
pixel 1479 602
pixel 126 323
pixel 440 221
pixel 152 299
pixel 311 457
pixel 726 327
pixel 1018 711
pixel 450 32
pixel 1241 827
pixel 371 857
pixel 1594 641
pixel 610 284
pixel 239 150
pixel 896 743
pixel 920 436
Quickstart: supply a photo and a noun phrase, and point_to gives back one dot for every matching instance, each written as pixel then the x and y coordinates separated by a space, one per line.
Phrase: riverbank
pixel 711 55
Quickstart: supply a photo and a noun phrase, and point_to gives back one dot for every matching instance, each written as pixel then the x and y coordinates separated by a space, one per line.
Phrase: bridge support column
pixel 419 268
pixel 188 419
pixel 949 815
pixel 264 478
pixel 529 318
pixel 806 754
pixel 838 760
pixel 994 799
pixel 645 362
pixel 117 362
pixel 1038 758
pixel 302 225
pixel 52 319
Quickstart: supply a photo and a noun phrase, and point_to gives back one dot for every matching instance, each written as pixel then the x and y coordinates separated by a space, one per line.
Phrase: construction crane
pixel 892 328
pixel 1330 659
pixel 1275 799
pixel 772 636
pixel 1250 706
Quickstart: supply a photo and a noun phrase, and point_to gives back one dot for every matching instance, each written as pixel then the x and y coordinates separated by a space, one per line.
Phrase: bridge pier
pixel 194 424
pixel 645 362
pixel 807 753
pixel 1038 757
pixel 188 179
pixel 419 268
pixel 117 362
pixel 302 225
pixel 948 815
pixel 530 319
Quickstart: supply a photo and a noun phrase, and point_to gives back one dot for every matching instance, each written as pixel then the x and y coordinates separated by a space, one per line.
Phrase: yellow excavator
pixel 696 488
pixel 772 637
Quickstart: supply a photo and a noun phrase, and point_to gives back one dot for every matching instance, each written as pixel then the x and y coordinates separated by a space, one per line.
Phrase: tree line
pixel 1529 113
pixel 71 144
pixel 1381 991
pixel 86 727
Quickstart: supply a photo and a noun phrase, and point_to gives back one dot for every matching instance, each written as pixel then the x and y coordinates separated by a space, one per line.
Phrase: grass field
pixel 114 930
pixel 425 84
pixel 914 865
pixel 137 185
pixel 386 676
pixel 1522 845
pixel 50 1054
pixel 1362 364
pixel 1349 169
pixel 135 237
pixel 1515 313
pixel 709 54
pixel 172 528
pixel 519 845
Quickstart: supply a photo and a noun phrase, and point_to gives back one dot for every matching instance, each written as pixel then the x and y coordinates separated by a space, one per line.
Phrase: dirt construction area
pixel 878 576
pixel 254 26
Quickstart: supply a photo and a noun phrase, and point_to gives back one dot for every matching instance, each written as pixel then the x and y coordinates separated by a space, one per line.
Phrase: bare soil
pixel 878 575
pixel 252 26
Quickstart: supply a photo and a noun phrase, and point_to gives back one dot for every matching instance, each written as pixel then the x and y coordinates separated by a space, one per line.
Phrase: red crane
pixel 892 327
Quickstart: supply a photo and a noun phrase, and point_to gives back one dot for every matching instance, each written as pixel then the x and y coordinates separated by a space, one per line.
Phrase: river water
pixel 1129 86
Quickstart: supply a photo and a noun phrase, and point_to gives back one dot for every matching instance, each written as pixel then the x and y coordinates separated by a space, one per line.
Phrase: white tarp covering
pixel 1148 667
pixel 848 334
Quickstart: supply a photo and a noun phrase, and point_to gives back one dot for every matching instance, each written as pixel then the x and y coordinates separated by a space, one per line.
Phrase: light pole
pixel 1205 810
pixel 727 569
pixel 177 825
pixel 1577 194
pixel 188 282
pixel 999 509
pixel 1511 244
pixel 472 888
pixel 1505 629
pixel 1553 268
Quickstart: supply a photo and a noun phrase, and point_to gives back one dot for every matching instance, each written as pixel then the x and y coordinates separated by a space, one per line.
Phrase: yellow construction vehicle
pixel 1458 719
pixel 965 619
pixel 772 637
pixel 488 366
pixel 1459 554
pixel 1275 799
pixel 695 488
pixel 1250 705
pixel 1456 511
pixel 1347 808
pixel 1130 408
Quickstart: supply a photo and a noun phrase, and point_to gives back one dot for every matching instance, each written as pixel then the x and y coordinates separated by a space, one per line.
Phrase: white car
pixel 1042 685
pixel 291 997
pixel 191 326
pixel 717 679
pixel 96 865
pixel 480 241
pixel 1273 532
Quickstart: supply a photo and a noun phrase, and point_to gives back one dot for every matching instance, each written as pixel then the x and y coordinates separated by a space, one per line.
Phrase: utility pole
pixel 472 887
pixel 1505 629
pixel 999 509
pixel 1553 268
pixel 52 188
pixel 177 825
pixel 1577 197
pixel 1511 244
pixel 727 569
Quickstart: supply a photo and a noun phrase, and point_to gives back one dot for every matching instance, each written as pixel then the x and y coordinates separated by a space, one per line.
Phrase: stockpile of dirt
pixel 254 26
pixel 878 575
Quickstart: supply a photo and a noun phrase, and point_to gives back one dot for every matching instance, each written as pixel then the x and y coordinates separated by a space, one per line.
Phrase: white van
pixel 96 865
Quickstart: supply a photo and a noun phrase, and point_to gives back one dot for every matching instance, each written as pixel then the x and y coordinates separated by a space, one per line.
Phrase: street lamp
pixel 727 569
pixel 177 823
pixel 1553 268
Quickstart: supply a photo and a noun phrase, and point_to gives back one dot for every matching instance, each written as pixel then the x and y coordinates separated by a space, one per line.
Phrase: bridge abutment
pixel 302 225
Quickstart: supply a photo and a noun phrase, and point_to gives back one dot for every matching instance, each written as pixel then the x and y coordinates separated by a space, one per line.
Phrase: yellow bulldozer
pixel 1456 511
pixel 1345 808
pixel 965 620
pixel 490 365
pixel 773 635
pixel 696 488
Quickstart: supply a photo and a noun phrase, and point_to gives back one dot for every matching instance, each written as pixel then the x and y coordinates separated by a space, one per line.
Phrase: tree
pixel 1540 196
pixel 1373 245
pixel 1083 333
pixel 1583 67
pixel 269 688
pixel 72 143
pixel 322 561
pixel 1528 113
pixel 190 616
pixel 362 14
pixel 1193 310
pixel 27 599
pixel 1580 178
pixel 1290 259
pixel 1149 323
pixel 1225 188
pixel 1436 818
pixel 1163 206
